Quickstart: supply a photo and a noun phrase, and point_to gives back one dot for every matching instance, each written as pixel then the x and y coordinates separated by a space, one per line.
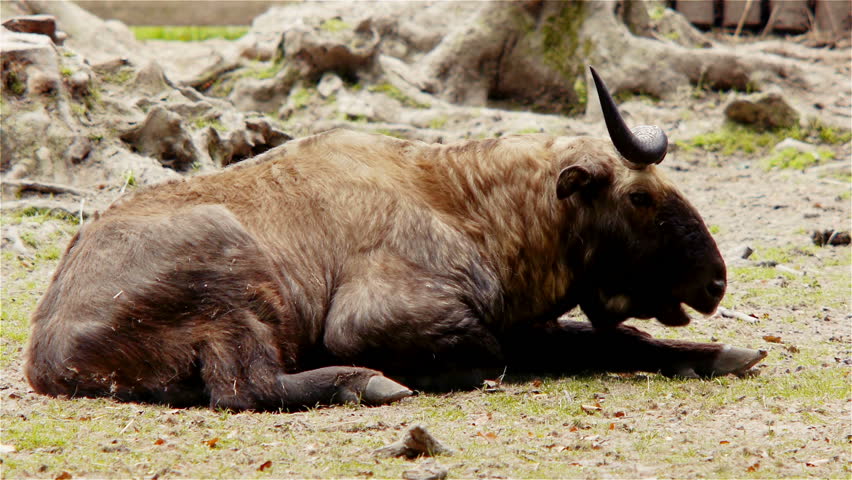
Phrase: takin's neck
pixel 502 195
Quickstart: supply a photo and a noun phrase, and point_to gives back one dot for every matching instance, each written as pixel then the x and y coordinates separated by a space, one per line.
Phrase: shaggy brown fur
pixel 347 248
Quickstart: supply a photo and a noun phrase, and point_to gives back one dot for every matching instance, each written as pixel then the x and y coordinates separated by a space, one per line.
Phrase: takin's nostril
pixel 716 288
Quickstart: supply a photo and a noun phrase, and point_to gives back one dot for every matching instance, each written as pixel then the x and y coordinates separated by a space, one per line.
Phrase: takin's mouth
pixel 673 316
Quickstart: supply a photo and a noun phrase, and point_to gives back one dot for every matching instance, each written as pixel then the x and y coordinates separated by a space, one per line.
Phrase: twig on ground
pixel 743 18
pixel 787 269
pixel 46 204
pixel 737 315
pixel 44 187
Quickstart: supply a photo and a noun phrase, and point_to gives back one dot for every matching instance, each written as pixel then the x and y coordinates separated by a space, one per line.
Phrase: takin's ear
pixel 578 178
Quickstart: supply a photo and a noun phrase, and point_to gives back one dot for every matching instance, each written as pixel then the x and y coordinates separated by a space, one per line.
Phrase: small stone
pixel 416 442
pixel 744 251
pixel 163 136
pixel 79 149
pixel 41 83
pixel 797 145
pixel 329 84
pixel 428 470
pixel 79 83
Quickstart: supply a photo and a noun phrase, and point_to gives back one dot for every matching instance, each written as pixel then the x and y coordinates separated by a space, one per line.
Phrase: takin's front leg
pixel 575 346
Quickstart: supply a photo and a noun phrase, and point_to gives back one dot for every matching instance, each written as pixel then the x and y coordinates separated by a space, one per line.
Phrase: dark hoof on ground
pixel 381 390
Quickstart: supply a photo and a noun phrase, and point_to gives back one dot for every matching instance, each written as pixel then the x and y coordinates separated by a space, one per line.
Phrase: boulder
pixel 162 135
pixel 762 111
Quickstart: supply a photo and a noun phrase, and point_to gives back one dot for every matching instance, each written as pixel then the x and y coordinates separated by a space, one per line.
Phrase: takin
pixel 332 268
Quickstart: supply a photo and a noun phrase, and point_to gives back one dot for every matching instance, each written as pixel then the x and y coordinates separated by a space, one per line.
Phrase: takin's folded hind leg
pixel 241 371
pixel 574 346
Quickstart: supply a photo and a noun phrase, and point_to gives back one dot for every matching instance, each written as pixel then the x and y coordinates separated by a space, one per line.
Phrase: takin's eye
pixel 641 199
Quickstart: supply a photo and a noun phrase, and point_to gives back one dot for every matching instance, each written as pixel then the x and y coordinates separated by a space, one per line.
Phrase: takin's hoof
pixel 730 360
pixel 381 390
pixel 737 361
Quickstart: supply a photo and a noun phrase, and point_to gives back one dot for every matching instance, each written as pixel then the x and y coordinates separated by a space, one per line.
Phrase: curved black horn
pixel 645 144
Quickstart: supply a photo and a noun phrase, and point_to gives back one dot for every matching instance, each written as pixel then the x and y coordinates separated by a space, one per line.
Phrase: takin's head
pixel 647 250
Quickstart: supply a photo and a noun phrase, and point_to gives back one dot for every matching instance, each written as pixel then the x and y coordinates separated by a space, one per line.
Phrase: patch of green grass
pixel 119 76
pixel 438 122
pixel 14 83
pixel 334 25
pixel 396 94
pixel 204 122
pixel 714 229
pixel 673 36
pixel 40 215
pixel 301 97
pixel 129 178
pixel 787 255
pixel 791 158
pixel 766 287
pixel 657 12
pixel 525 131
pixel 733 138
pixel 582 92
pixel 66 72
pixel 830 135
pixel 223 85
pixel 79 109
pixel 388 132
pixel 190 33
pixel 49 252
pixel 29 239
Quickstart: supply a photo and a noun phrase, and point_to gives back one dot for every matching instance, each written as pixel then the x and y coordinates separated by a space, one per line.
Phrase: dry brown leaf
pixel 573 429
pixel 753 468
pixel 724 442
pixel 817 463
pixel 591 409
pixel 482 419
pixel 63 476
pixel 612 426
pixel 264 465
pixel 212 442
pixel 490 436
pixel 772 339
pixel 619 414
pixel 159 441
pixel 536 383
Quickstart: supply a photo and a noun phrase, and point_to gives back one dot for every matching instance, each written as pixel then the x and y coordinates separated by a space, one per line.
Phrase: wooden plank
pixel 733 11
pixel 790 15
pixel 698 12
pixel 834 16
